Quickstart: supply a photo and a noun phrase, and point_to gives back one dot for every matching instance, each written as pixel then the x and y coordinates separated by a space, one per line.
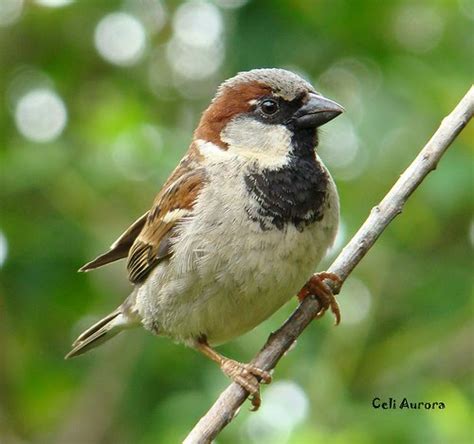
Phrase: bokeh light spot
pixel 341 144
pixel 196 49
pixel 286 406
pixel 3 249
pixel 10 11
pixel 231 4
pixel 152 13
pixel 54 3
pixel 120 39
pixel 356 306
pixel 418 28
pixel 194 63
pixel 40 115
pixel 197 23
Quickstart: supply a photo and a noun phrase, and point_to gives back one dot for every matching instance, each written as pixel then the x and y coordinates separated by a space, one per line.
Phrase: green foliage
pixel 398 67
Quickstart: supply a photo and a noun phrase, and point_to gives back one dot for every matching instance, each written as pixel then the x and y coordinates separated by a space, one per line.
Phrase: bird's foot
pixel 248 376
pixel 324 293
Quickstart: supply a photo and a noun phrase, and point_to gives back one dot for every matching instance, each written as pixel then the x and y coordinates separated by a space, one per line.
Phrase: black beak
pixel 316 112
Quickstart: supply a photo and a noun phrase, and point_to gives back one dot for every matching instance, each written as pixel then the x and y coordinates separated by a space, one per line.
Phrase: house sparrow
pixel 237 228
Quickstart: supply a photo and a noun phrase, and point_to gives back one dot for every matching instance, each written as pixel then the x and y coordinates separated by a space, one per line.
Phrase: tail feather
pixel 101 332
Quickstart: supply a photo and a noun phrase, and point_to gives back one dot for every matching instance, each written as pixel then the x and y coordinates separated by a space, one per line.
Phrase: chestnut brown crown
pixel 248 90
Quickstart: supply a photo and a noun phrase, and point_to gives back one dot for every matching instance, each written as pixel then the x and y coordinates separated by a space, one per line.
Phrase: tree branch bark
pixel 227 405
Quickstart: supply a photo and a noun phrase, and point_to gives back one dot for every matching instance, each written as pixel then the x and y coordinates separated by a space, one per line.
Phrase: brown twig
pixel 228 403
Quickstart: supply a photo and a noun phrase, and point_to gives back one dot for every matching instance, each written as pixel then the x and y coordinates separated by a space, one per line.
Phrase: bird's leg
pixel 323 293
pixel 247 375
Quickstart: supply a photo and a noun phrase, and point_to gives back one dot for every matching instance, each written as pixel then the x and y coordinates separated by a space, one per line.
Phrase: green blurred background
pixel 98 100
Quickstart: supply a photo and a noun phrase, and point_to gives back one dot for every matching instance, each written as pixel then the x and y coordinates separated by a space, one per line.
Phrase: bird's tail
pixel 102 331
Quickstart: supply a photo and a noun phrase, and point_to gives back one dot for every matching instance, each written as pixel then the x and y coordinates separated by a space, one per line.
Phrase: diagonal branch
pixel 227 405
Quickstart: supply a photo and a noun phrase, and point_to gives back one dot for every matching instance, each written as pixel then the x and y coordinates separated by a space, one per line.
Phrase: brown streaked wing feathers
pixel 153 244
pixel 120 248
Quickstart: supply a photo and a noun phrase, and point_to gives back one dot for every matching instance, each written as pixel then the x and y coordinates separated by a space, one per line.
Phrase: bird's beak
pixel 316 112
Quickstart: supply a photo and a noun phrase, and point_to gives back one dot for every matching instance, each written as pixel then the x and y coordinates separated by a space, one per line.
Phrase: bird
pixel 236 229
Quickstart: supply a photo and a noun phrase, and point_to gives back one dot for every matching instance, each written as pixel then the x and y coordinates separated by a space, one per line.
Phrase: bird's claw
pixel 249 377
pixel 324 293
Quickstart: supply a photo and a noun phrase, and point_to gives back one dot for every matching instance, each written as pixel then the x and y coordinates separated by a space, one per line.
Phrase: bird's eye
pixel 269 107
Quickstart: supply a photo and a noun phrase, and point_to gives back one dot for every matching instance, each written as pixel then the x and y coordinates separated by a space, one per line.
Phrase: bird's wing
pixel 120 248
pixel 172 205
pixel 147 241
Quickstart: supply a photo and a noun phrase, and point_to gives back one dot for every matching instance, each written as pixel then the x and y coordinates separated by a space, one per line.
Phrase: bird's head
pixel 266 114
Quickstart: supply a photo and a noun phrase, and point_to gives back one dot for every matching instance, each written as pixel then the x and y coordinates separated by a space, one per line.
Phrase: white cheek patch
pixel 268 144
pixel 211 151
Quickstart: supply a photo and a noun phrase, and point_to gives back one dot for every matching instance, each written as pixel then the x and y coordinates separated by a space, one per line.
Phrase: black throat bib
pixel 295 193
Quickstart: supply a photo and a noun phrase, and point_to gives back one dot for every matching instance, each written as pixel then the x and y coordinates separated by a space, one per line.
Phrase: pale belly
pixel 232 291
pixel 226 276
